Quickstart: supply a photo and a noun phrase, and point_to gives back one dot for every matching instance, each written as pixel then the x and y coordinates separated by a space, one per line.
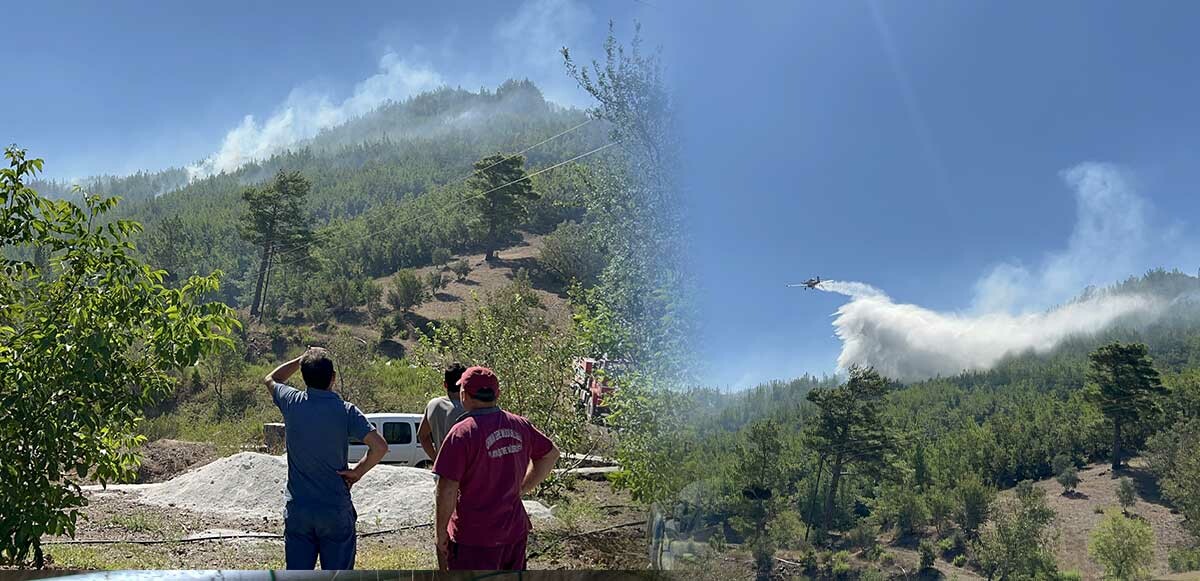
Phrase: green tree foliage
pixel 434 282
pixel 86 342
pixel 277 223
pixel 502 191
pixel 1123 546
pixel 1126 494
pixel 439 257
pixel 407 291
pixel 973 501
pixel 1123 383
pixel 222 369
pixel 571 255
pixel 1017 542
pixel 1174 456
pixel 461 269
pixel 1068 478
pixel 352 358
pixel 849 430
pixel 902 507
pixel 760 480
pixel 928 554
pixel 941 508
pixel 533 360
pixel 636 211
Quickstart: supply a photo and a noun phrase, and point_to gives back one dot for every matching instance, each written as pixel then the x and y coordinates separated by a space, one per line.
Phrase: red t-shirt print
pixel 488 453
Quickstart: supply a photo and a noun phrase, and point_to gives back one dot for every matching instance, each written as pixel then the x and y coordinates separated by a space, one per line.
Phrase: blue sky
pixel 924 148
pixel 122 86
pixel 916 146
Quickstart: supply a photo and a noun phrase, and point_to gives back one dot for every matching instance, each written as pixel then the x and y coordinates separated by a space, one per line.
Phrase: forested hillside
pixel 385 192
pixel 922 463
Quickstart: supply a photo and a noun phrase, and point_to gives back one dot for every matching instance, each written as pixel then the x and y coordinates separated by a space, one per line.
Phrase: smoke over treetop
pixel 1112 238
pixel 304 115
pixel 909 342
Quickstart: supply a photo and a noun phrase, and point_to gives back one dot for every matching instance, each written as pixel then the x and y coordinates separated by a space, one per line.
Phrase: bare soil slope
pixel 1078 515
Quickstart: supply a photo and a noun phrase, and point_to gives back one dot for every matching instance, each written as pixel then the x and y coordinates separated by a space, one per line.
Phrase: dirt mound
pixel 252 485
pixel 166 459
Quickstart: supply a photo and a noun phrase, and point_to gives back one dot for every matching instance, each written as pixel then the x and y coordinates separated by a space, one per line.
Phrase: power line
pixel 301 247
pixel 472 197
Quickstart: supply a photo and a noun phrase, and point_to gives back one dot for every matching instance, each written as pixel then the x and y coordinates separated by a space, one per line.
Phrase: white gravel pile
pixel 252 485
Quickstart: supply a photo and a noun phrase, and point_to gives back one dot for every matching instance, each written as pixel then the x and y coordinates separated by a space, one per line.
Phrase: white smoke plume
pixel 303 115
pixel 909 342
pixel 1110 241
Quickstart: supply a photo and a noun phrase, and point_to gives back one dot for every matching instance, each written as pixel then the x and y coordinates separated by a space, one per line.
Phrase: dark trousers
pixel 502 558
pixel 310 532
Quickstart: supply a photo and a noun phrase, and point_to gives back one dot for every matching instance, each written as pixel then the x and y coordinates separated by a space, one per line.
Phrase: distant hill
pixel 385 188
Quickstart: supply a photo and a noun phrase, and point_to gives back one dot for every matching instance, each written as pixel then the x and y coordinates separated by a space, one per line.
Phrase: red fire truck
pixel 594 384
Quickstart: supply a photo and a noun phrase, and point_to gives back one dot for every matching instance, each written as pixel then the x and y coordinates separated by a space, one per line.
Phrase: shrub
pixel 871 575
pixel 973 498
pixel 1015 544
pixel 960 561
pixel 1068 478
pixel 928 554
pixel 406 292
pixel 1126 494
pixel 571 255
pixel 863 536
pixel 840 563
pixel 1122 545
pixel 1060 463
pixel 1181 560
pixel 461 269
pixel 1070 576
pixel 439 256
pixel 787 528
pixel 941 508
pixel 887 559
pixel 434 282
pixel 945 546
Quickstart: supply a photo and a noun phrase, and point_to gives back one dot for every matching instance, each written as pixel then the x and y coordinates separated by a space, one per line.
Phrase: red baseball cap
pixel 476 379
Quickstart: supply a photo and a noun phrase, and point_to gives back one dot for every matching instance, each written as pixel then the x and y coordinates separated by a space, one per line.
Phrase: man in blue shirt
pixel 320 518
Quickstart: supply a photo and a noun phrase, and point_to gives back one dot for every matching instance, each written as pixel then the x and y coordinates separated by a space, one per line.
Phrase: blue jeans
pixel 319 531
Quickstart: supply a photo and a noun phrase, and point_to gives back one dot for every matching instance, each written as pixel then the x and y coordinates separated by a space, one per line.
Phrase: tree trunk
pixel 266 286
pixel 812 500
pixel 830 499
pixel 262 276
pixel 1116 456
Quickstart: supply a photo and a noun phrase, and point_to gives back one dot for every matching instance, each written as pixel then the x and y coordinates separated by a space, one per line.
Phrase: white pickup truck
pixel 400 432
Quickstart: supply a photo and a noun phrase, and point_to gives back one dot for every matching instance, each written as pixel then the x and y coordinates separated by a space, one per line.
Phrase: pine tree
pixel 849 429
pixel 1123 383
pixel 278 224
pixel 503 189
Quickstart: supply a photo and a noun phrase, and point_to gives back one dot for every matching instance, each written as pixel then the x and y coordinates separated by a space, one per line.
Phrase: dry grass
pixel 1076 517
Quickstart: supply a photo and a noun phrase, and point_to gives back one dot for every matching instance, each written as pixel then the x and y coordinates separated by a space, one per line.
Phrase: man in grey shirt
pixel 441 413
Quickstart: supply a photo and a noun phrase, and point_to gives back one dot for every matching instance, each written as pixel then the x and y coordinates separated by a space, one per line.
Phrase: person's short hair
pixel 485 395
pixel 317 368
pixel 453 373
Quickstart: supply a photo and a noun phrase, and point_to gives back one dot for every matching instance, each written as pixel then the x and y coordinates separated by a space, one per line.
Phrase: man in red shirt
pixel 488 460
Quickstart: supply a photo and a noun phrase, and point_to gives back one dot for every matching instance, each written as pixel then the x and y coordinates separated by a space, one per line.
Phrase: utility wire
pixel 469 198
pixel 464 178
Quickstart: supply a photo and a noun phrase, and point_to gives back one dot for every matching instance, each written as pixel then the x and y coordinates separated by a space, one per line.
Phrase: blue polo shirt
pixel 318 425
